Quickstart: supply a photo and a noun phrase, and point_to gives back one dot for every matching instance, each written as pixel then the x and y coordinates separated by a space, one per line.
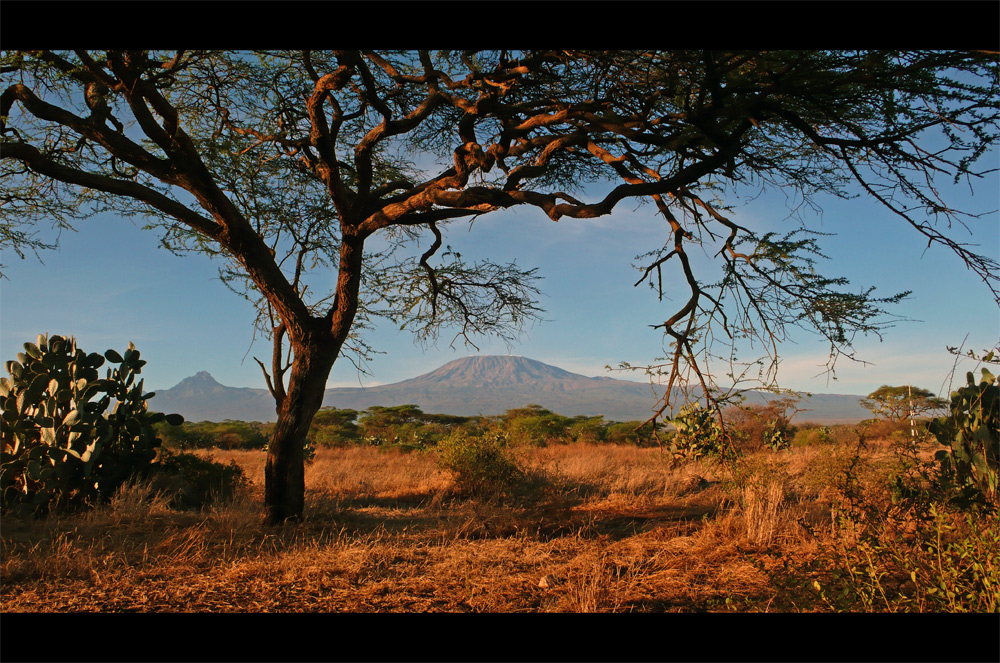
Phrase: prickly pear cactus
pixel 969 464
pixel 59 442
pixel 776 438
pixel 696 433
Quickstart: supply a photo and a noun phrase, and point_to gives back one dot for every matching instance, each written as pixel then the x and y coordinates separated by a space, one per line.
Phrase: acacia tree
pixel 897 403
pixel 314 176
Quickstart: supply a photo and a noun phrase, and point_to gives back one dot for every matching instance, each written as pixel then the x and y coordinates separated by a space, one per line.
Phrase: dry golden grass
pixel 608 528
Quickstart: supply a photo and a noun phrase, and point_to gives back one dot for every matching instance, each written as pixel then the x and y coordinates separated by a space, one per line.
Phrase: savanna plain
pixel 562 526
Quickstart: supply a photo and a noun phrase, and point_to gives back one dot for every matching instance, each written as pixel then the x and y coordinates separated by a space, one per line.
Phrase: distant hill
pixel 201 398
pixel 475 385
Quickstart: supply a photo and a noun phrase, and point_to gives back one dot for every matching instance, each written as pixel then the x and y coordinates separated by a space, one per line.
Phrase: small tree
pixel 334 427
pixel 897 403
pixel 534 424
pixel 386 423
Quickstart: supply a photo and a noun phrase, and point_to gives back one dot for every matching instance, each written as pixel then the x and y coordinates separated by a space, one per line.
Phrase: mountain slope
pixel 475 385
pixel 489 371
pixel 201 398
pixel 495 384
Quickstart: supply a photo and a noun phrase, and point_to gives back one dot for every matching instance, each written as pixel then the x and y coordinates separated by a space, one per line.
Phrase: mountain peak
pixel 201 397
pixel 493 370
pixel 201 381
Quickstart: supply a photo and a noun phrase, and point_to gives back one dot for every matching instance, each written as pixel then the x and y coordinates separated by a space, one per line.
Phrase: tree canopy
pixel 897 403
pixel 325 181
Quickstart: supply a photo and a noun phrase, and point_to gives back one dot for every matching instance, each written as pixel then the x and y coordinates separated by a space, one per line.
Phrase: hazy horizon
pixel 478 385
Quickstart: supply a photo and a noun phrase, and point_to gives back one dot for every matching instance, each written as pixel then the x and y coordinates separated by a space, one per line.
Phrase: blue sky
pixel 109 283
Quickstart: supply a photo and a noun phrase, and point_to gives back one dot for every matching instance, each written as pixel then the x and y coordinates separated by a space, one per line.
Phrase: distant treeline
pixel 409 426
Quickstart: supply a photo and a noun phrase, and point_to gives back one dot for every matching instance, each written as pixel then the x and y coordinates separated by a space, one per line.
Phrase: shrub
pixel 812 436
pixel 483 464
pixel 884 429
pixel 754 427
pixel 416 442
pixel 590 430
pixel 60 445
pixel 950 562
pixel 631 432
pixel 843 434
pixel 193 482
pixel 535 425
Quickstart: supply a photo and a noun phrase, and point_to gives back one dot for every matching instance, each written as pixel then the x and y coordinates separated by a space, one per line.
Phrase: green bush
pixel 812 436
pixel 483 464
pixel 631 432
pixel 385 423
pixel 407 427
pixel 588 430
pixel 415 442
pixel 536 425
pixel 59 444
pixel 949 563
pixel 194 482
pixel 332 427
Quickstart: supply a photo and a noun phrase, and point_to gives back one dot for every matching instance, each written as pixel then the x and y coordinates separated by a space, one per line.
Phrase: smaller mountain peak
pixel 200 380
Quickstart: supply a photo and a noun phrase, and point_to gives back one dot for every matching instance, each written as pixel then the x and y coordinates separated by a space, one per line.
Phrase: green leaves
pixel 895 403
pixel 483 465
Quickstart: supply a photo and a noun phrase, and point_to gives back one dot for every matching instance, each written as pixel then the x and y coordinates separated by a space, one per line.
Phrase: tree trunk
pixel 284 473
pixel 316 344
